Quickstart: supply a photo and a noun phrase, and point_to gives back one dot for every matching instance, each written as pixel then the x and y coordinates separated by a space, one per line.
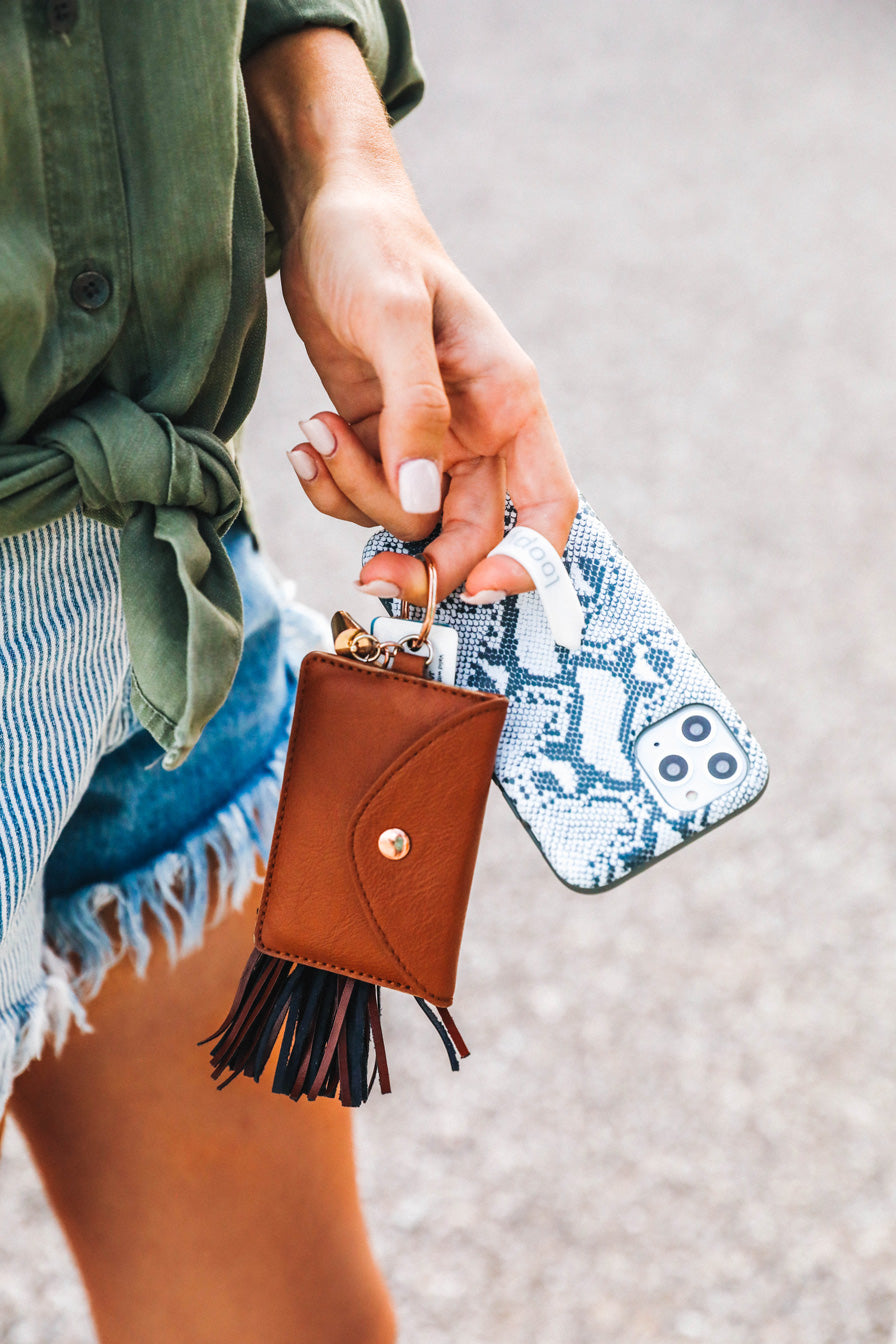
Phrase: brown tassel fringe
pixel 329 1022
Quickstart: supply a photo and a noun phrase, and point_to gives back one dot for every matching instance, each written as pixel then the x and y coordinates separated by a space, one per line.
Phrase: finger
pixel 360 477
pixel 472 523
pixel 321 489
pixel 546 498
pixel 416 414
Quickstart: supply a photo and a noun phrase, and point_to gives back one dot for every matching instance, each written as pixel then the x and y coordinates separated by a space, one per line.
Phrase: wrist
pixel 316 117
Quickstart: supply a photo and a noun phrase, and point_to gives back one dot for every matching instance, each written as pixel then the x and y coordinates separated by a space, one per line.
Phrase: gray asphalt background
pixel 677 1123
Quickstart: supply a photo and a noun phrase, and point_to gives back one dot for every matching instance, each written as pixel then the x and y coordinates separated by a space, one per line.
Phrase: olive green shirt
pixel 132 299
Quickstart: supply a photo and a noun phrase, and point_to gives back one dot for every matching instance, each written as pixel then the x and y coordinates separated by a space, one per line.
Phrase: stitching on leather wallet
pixel 354 669
pixel 485 705
pixel 359 669
pixel 434 736
pixel 330 966
pixel 275 840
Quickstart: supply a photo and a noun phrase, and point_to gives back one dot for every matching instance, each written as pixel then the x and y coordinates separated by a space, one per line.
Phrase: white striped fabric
pixel 63 702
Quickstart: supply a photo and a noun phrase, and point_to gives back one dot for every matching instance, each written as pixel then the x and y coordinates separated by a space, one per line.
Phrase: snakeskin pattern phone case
pixel 595 789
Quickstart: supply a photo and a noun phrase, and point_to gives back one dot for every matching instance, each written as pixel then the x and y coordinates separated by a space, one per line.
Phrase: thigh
pixel 196 1214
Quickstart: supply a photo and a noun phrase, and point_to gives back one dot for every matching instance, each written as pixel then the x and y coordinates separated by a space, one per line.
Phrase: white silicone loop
pixel 552 583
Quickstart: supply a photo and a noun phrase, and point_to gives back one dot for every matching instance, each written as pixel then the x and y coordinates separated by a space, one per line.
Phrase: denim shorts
pixel 92 822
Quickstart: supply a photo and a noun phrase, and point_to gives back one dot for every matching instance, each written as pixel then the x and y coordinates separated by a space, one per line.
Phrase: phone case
pixel 566 760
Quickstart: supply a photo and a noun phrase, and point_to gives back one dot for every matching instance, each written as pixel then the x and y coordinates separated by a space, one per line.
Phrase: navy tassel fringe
pixel 328 1023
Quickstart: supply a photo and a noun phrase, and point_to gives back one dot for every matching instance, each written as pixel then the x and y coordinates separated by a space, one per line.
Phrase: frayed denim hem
pixel 228 852
pixel 175 889
pixel 45 1014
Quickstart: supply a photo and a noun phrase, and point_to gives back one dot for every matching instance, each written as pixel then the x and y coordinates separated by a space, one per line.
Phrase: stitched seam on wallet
pixel 331 966
pixel 354 670
pixel 275 840
pixel 350 669
pixel 434 736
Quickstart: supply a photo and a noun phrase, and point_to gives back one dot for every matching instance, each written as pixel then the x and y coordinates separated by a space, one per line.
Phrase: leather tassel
pixel 328 1025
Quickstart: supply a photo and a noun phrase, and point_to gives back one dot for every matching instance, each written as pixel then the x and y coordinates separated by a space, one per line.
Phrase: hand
pixel 421 371
pixel 439 408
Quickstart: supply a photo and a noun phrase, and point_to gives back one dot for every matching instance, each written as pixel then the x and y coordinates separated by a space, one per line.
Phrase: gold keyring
pixel 432 579
pixel 364 647
pixel 424 647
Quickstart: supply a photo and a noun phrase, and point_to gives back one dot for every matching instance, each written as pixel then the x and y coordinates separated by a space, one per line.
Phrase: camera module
pixel 696 728
pixel 690 758
pixel 674 768
pixel 722 765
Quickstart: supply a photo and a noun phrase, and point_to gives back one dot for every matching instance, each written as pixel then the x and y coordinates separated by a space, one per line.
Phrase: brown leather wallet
pixel 383 797
pixel 369 876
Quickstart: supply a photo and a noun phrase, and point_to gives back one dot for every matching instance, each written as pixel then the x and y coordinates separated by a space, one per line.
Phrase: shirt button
pixel 90 290
pixel 62 15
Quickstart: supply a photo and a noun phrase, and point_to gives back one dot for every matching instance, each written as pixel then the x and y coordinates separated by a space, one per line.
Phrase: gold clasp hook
pixel 351 640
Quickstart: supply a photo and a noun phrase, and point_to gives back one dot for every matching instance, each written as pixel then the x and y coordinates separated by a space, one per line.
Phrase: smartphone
pixel 615 754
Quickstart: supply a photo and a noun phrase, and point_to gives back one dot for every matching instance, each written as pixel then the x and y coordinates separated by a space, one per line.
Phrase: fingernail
pixel 483 598
pixel 420 485
pixel 378 588
pixel 303 464
pixel 321 438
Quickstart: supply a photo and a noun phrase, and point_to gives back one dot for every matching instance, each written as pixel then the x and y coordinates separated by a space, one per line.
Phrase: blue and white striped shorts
pixel 88 819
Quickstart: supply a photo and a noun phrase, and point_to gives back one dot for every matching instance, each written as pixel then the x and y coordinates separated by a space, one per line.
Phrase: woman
pixel 130 343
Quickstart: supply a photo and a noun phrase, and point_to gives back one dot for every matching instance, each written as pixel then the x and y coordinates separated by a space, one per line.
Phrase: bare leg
pixel 198 1217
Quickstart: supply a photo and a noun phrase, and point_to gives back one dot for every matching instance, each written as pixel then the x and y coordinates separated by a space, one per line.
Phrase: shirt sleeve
pixel 380 28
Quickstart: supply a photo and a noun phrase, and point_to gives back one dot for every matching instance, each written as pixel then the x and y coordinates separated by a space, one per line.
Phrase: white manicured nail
pixel 483 598
pixel 420 485
pixel 303 464
pixel 321 438
pixel 378 588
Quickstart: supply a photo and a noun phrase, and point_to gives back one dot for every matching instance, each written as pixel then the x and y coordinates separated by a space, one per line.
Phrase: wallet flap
pixel 435 795
pixel 355 726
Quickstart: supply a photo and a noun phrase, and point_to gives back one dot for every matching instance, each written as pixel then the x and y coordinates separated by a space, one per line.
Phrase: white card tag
pixel 552 583
pixel 442 639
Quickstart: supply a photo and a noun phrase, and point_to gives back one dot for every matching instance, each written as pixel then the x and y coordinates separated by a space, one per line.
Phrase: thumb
pixel 415 415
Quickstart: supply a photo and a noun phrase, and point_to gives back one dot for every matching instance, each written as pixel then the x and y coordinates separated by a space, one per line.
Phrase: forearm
pixel 315 114
pixel 430 391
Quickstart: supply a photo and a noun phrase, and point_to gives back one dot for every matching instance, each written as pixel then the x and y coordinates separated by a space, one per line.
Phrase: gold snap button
pixel 394 843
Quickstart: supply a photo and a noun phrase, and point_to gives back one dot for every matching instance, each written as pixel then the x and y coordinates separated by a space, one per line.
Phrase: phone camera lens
pixel 696 728
pixel 722 765
pixel 673 768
